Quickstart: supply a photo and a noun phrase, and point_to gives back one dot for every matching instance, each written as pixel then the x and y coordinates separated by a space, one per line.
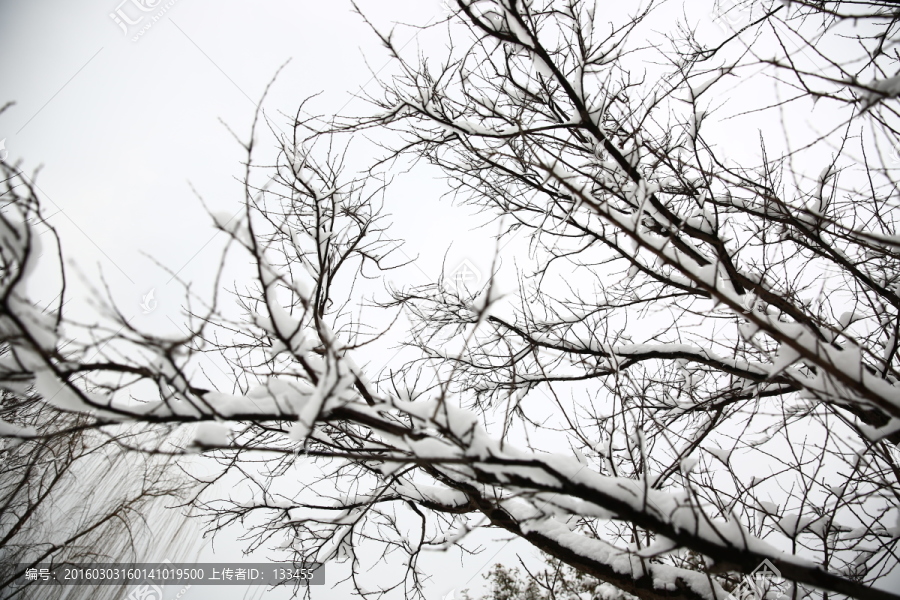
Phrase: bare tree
pixel 773 290
pixel 705 336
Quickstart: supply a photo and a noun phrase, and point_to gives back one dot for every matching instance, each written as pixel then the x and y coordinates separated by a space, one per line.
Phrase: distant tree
pixel 509 584
pixel 557 582
pixel 79 498
pixel 696 376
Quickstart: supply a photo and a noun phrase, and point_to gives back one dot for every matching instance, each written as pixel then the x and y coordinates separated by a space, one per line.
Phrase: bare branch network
pixel 696 372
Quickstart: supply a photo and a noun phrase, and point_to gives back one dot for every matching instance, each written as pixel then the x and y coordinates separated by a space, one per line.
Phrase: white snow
pixel 10 430
pixel 722 455
pixel 211 433
pixel 688 464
